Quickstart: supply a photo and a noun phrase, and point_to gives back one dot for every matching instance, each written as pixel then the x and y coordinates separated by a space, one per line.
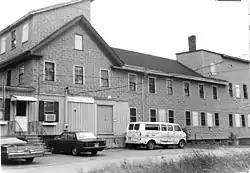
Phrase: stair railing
pixel 37 128
pixel 14 128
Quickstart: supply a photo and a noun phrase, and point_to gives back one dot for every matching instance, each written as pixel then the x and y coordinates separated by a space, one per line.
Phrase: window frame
pixel 215 120
pixel 217 93
pixel 245 93
pixel 203 91
pixel 184 92
pixel 83 75
pixel 75 45
pixel 230 89
pixel 25 30
pixel 44 71
pixel 13 41
pixel 190 118
pixel 130 114
pixel 132 74
pixel 237 91
pixel 230 123
pixel 154 84
pixel 172 82
pixel 21 74
pixel 171 117
pixel 107 79
pixel 203 125
pixel 3 45
pixel 243 120
pixel 150 116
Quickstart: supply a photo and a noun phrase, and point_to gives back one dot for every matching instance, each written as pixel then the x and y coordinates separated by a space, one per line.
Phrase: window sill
pixel 3 122
pixel 3 53
pixel 23 42
pixel 48 124
pixel 81 50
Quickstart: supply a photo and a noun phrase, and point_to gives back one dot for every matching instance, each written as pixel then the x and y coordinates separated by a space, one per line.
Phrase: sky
pixel 158 27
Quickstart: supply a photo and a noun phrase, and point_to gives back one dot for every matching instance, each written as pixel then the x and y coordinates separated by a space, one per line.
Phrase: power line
pixel 227 71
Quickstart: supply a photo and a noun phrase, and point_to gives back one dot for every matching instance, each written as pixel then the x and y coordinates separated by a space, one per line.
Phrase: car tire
pixel 53 149
pixel 181 144
pixel 94 153
pixel 29 160
pixel 151 145
pixel 74 151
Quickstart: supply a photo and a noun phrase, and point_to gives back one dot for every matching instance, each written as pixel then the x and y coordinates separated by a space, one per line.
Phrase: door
pixel 170 136
pixel 177 134
pixel 21 116
pixel 104 119
pixel 164 134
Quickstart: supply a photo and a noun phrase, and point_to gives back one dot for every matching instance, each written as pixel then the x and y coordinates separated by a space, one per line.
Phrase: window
pixel 170 116
pixel 186 89
pixel 3 45
pixel 245 94
pixel 163 127
pixel 230 118
pixel 170 87
pixel 213 69
pixel 188 118
pixel 152 115
pixel 13 39
pixel 48 107
pixel 21 74
pixel 215 93
pixel 203 119
pixel 79 74
pixel 230 89
pixel 201 91
pixel 177 128
pixel 8 78
pixel 237 90
pixel 243 122
pixel 132 82
pixel 78 42
pixel 170 128
pixel 137 127
pixel 132 114
pixel 151 84
pixel 131 126
pixel 25 35
pixel 104 78
pixel 216 119
pixel 152 127
pixel 49 71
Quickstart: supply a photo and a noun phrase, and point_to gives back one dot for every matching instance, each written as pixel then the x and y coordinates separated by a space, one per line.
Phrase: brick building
pixel 59 74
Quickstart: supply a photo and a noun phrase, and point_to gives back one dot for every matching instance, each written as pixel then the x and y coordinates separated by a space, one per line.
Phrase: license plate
pixel 96 145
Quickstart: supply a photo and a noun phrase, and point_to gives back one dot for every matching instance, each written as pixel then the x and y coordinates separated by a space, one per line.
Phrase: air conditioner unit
pixel 50 117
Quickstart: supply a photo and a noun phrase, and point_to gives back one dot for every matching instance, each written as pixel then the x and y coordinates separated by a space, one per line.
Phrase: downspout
pixel 65 127
pixel 142 97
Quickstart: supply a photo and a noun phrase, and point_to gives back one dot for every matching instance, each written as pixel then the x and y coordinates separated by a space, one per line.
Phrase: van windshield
pixel 137 127
pixel 131 126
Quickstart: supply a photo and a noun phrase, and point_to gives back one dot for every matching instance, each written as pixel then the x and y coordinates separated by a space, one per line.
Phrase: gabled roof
pixel 220 54
pixel 84 23
pixel 30 14
pixel 154 62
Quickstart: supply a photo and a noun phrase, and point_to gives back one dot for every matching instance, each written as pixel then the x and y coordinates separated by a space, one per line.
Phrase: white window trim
pixel 135 81
pixel 19 71
pixel 183 88
pixel 236 94
pixel 100 73
pixel 49 124
pixel 3 40
pixel 167 86
pixel 191 122
pixel 24 29
pixel 135 112
pixel 203 90
pixel 155 114
pixel 148 84
pixel 168 114
pixel 217 92
pixel 205 118
pixel 83 82
pixel 44 70
pixel 75 41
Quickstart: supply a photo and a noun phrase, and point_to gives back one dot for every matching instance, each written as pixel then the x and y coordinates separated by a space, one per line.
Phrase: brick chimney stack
pixel 192 43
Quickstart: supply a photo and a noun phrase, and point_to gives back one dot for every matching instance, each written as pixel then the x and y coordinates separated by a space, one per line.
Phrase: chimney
pixel 192 43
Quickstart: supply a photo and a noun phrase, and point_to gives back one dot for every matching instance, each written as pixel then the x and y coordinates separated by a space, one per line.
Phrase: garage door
pixel 104 119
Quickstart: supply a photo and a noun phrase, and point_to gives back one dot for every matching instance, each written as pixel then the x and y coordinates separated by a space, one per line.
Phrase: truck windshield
pixel 137 126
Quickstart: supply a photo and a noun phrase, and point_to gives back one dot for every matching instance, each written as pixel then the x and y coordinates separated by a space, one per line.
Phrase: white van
pixel 154 133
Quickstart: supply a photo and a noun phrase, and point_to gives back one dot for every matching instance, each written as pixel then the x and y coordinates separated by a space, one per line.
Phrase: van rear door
pixel 133 132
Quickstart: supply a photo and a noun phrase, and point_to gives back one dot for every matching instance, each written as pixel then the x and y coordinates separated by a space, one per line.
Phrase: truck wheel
pixel 151 145
pixel 93 153
pixel 74 151
pixel 181 144
pixel 53 149
pixel 29 160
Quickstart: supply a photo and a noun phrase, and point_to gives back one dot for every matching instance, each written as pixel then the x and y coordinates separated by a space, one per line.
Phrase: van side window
pixel 163 127
pixel 137 127
pixel 131 126
pixel 152 127
pixel 177 128
pixel 170 128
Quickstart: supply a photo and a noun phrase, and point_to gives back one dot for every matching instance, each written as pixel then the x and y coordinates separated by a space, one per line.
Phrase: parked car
pixel 151 134
pixel 77 142
pixel 15 148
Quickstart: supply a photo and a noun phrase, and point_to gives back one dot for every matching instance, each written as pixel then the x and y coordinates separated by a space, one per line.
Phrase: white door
pixel 21 116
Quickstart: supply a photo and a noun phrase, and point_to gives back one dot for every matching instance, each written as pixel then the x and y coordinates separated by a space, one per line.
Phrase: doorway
pixel 21 116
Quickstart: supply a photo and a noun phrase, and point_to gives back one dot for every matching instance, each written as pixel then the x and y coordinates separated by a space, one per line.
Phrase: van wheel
pixel 151 145
pixel 74 151
pixel 181 144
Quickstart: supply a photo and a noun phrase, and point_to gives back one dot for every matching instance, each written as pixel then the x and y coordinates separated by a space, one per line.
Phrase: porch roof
pixel 23 98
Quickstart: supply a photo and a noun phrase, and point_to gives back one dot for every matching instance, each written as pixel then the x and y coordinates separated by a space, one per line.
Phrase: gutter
pixel 175 75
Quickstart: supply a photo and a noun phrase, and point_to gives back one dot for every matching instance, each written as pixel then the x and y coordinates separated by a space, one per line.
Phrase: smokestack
pixel 192 43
